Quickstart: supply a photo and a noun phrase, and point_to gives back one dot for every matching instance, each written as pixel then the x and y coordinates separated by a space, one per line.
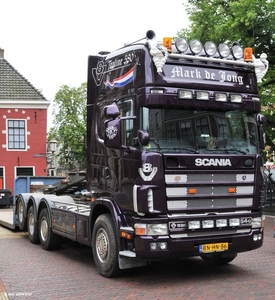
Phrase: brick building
pixel 23 127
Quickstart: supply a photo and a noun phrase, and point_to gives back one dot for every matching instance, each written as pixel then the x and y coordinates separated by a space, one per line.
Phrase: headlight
pixel 195 46
pixel 237 52
pixel 210 48
pixel 221 97
pixel 236 98
pixel 181 45
pixel 182 94
pixel 151 229
pixel 256 222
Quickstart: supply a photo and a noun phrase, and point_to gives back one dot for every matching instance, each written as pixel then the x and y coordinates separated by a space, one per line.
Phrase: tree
pixel 249 22
pixel 69 126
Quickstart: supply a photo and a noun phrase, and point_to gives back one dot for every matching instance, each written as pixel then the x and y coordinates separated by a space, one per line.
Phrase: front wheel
pixel 48 239
pixel 218 259
pixel 105 247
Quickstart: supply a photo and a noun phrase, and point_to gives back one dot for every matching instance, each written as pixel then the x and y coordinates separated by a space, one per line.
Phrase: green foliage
pixel 69 126
pixel 249 22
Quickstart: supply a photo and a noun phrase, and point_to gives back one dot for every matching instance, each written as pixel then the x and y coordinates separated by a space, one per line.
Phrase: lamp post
pixel 52 146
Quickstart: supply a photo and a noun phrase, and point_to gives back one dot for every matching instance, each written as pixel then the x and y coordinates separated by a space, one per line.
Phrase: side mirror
pixel 111 111
pixel 261 119
pixel 261 123
pixel 143 137
pixel 112 135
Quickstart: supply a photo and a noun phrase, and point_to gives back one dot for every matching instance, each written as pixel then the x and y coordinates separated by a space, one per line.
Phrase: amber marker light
pixel 125 235
pixel 231 190
pixel 248 52
pixel 167 42
pixel 192 191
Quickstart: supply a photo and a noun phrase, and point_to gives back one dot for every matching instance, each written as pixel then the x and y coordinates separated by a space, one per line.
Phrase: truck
pixel 174 165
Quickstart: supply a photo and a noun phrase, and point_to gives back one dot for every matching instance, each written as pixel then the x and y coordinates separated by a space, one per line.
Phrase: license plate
pixel 218 247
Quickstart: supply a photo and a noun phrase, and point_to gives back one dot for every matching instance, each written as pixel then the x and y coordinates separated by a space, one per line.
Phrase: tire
pixel 32 227
pixel 218 259
pixel 48 239
pixel 105 247
pixel 22 223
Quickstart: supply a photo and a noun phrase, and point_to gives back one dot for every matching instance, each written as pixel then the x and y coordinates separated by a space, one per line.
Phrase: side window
pixel 127 126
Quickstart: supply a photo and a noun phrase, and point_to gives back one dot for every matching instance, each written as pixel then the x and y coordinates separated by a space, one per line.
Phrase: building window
pixel 222 128
pixel 16 134
pixel 171 130
pixel 23 171
pixel 186 131
pixel 202 125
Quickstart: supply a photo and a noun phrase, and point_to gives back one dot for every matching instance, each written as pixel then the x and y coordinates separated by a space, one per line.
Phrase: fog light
pixel 208 224
pixel 221 223
pixel 194 225
pixel 153 246
pixel 158 246
pixel 257 237
pixel 234 222
pixel 163 246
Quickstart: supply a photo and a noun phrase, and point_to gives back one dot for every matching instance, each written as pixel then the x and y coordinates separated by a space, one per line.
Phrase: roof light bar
pixel 210 49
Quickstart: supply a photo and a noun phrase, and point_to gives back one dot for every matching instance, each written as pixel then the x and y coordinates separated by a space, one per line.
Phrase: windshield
pixel 199 131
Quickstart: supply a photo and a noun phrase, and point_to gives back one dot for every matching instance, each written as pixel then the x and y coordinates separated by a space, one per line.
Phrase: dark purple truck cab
pixel 174 147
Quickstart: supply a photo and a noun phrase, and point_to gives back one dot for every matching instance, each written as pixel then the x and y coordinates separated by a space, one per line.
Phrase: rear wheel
pixel 20 213
pixel 48 239
pixel 218 259
pixel 32 227
pixel 105 248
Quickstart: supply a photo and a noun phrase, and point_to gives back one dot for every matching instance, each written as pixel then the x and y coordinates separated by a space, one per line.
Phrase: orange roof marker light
pixel 167 43
pixel 248 54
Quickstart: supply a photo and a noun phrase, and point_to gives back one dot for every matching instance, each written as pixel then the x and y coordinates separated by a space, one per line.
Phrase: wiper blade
pixel 234 149
pixel 179 148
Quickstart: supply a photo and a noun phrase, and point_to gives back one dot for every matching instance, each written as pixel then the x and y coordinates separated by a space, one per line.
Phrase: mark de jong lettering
pixel 221 76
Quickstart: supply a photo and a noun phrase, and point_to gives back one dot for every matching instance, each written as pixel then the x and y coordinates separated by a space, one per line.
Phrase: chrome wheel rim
pixel 44 229
pixel 102 245
pixel 31 223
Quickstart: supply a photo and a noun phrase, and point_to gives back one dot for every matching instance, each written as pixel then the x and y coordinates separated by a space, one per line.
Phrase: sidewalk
pixel 6 217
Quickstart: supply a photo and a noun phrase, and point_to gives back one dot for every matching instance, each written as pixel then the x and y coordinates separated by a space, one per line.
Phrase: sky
pixel 48 42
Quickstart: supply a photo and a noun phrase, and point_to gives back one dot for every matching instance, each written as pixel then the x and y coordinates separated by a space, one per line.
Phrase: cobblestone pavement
pixel 28 272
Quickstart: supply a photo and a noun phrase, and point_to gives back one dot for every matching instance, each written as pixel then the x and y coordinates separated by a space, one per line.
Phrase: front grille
pixel 209 190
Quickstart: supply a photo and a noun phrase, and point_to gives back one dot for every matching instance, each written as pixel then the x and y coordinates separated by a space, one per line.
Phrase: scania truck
pixel 174 164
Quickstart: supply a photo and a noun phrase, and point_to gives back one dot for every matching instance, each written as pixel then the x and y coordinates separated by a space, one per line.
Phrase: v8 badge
pixel 147 168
